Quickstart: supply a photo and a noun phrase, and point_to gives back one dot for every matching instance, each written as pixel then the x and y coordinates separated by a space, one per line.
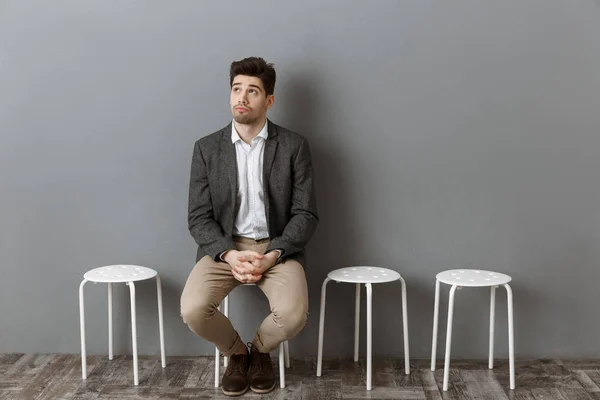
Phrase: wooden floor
pixel 54 377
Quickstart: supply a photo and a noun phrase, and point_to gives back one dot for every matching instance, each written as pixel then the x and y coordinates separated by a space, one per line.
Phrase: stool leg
pixel 286 347
pixel 321 327
pixel 282 365
pixel 217 364
pixel 133 332
pixel 356 321
pixel 449 338
pixel 436 313
pixel 369 334
pixel 226 313
pixel 511 336
pixel 110 320
pixel 82 330
pixel 405 327
pixel 160 321
pixel 492 320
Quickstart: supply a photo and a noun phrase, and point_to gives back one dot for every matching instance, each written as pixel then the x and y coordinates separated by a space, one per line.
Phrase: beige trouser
pixel 210 281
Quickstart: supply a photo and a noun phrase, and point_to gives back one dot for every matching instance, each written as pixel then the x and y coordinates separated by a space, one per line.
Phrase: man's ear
pixel 270 100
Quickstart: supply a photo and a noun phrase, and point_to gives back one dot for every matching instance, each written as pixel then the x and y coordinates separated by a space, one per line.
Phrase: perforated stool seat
pixel 472 278
pixel 367 275
pixel 459 278
pixel 127 274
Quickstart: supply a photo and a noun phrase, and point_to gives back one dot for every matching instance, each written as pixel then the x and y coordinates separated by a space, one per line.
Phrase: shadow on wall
pixel 308 111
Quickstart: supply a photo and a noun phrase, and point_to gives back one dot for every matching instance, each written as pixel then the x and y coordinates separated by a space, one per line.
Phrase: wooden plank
pixel 483 385
pixel 382 392
pixel 321 389
pixel 585 381
pixel 547 393
pixel 575 394
pixel 64 380
pixel 49 369
pixel 429 385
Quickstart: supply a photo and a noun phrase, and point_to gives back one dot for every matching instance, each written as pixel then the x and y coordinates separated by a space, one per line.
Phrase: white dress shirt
pixel 250 219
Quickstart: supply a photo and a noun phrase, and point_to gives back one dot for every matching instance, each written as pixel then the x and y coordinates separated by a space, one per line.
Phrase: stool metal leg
pixel 160 321
pixel 133 332
pixel 492 320
pixel 449 338
pixel 82 330
pixel 110 321
pixel 369 334
pixel 356 322
pixel 321 326
pixel 217 364
pixel 511 337
pixel 226 313
pixel 405 327
pixel 286 347
pixel 282 365
pixel 436 313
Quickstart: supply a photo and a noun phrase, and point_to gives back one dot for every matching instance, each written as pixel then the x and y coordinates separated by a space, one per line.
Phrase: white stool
pixel 459 278
pixel 284 351
pixel 368 276
pixel 121 274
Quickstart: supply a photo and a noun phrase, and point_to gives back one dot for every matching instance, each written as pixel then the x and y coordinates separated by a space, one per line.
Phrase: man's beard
pixel 244 119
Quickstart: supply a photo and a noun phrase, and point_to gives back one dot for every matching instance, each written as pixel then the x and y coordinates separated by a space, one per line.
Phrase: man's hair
pixel 257 67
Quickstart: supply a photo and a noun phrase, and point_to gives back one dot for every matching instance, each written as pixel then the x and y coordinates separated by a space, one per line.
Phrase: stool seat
pixel 363 274
pixel 472 278
pixel 119 274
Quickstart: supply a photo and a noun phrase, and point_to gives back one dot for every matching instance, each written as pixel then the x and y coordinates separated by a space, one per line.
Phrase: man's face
pixel 248 100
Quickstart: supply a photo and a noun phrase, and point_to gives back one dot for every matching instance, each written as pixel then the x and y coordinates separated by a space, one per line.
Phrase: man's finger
pixel 254 278
pixel 249 256
pixel 241 269
pixel 249 267
pixel 241 276
pixel 256 263
pixel 238 277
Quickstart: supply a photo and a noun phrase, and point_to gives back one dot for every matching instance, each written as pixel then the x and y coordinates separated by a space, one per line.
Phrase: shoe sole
pixel 263 391
pixel 234 394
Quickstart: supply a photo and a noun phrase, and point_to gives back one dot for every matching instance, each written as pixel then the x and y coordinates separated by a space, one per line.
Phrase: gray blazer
pixel 290 204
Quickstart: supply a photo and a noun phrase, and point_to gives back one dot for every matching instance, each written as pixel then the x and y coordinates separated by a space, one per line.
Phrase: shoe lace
pixel 236 364
pixel 259 361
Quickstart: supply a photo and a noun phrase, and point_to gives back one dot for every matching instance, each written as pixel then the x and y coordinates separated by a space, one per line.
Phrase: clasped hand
pixel 248 266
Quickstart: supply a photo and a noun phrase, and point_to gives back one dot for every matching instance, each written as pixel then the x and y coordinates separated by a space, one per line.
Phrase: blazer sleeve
pixel 303 216
pixel 201 222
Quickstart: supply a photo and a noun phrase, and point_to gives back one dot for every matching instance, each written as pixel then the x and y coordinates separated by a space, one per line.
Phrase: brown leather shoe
pixel 235 379
pixel 262 378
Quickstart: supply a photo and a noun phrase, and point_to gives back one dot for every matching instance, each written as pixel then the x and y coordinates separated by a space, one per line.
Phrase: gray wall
pixel 459 134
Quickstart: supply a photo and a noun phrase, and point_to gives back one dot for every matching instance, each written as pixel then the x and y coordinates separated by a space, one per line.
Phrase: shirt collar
pixel 264 133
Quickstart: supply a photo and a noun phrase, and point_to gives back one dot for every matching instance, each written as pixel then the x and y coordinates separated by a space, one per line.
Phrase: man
pixel 252 211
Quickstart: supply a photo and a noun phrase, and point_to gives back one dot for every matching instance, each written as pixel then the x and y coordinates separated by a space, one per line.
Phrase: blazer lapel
pixel 229 160
pixel 269 157
pixel 270 150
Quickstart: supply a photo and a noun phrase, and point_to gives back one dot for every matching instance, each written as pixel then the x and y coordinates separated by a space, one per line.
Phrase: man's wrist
pixel 224 254
pixel 274 254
